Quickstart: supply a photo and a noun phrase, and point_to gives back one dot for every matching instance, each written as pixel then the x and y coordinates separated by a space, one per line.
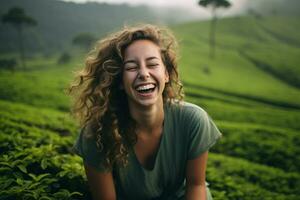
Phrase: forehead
pixel 141 49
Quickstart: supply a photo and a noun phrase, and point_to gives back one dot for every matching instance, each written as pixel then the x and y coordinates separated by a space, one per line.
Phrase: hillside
pixel 251 90
pixel 251 63
pixel 58 22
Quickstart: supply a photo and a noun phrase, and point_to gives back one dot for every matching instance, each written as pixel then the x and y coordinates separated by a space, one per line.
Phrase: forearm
pixel 195 192
pixel 101 184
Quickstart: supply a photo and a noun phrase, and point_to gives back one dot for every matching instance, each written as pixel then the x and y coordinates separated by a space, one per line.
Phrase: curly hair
pixel 100 103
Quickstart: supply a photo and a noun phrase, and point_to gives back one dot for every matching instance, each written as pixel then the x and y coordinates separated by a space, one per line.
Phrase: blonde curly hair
pixel 100 103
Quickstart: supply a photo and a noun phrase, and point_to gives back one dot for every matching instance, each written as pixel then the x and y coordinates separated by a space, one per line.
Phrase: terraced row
pixel 34 157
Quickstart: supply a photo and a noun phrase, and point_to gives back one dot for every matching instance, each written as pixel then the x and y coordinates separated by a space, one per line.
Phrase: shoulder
pixel 85 141
pixel 188 111
pixel 87 148
pixel 185 117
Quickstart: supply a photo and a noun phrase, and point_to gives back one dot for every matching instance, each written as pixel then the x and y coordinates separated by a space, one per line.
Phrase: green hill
pixel 58 22
pixel 240 41
pixel 251 89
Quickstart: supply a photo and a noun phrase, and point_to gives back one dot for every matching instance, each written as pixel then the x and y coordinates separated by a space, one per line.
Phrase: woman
pixel 139 140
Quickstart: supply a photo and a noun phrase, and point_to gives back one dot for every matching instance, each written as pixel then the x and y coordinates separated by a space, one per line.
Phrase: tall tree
pixel 17 17
pixel 84 40
pixel 213 5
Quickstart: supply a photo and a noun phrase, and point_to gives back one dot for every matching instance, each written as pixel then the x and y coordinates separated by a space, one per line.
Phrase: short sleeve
pixel 203 133
pixel 86 148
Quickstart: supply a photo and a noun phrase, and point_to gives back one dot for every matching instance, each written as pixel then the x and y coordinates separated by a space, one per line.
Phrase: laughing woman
pixel 139 139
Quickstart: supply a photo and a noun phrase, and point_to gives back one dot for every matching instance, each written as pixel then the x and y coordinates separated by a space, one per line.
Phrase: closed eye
pixel 152 64
pixel 131 68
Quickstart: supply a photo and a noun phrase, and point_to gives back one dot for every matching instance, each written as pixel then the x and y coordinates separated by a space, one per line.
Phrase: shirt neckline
pixel 161 144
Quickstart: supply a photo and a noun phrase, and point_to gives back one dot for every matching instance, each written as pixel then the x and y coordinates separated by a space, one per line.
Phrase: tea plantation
pixel 251 90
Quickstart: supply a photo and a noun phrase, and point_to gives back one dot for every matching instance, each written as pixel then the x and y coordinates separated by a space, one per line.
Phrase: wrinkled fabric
pixel 187 133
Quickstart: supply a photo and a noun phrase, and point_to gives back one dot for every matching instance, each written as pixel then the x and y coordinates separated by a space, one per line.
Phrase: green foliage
pixel 232 178
pixel 214 3
pixel 43 118
pixel 37 160
pixel 41 172
pixel 260 144
pixel 9 63
pixel 282 68
pixel 84 40
pixel 60 21
pixel 258 114
pixel 37 88
pixel 64 58
pixel 264 115
pixel 17 17
pixel 231 72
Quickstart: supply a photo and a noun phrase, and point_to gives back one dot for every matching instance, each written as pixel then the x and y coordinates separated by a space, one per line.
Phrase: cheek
pixel 164 76
pixel 127 79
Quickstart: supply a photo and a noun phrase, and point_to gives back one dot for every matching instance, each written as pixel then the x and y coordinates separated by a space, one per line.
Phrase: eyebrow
pixel 129 61
pixel 151 58
pixel 133 61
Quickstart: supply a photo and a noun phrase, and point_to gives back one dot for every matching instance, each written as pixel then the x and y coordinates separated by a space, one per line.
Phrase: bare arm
pixel 101 184
pixel 195 178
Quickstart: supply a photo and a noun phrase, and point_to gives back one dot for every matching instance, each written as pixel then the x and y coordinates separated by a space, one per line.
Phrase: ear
pixel 167 78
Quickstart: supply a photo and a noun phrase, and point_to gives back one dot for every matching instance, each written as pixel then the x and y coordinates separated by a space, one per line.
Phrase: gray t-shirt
pixel 188 132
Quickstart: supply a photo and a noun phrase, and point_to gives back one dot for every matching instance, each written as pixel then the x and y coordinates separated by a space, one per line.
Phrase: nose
pixel 143 72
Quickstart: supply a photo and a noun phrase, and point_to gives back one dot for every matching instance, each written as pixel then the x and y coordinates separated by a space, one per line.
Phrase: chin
pixel 147 103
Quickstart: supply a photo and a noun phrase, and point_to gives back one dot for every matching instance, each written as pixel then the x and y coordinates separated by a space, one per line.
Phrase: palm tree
pixel 16 16
pixel 214 5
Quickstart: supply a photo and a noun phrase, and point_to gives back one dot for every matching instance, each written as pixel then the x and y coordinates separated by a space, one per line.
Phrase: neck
pixel 148 119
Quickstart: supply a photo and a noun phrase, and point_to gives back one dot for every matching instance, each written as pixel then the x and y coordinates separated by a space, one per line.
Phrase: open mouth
pixel 147 88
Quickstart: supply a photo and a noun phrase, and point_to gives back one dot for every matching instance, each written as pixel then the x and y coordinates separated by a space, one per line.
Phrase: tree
pixel 84 40
pixel 214 5
pixel 17 17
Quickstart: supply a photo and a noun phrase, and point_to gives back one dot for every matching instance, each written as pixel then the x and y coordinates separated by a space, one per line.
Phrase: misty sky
pixel 237 5
pixel 155 2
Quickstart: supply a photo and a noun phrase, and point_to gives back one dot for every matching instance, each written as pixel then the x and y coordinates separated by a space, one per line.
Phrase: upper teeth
pixel 145 87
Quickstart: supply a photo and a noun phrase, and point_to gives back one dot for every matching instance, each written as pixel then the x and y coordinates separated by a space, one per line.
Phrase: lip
pixel 145 95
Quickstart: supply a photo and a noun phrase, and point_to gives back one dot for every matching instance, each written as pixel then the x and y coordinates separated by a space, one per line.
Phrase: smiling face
pixel 144 74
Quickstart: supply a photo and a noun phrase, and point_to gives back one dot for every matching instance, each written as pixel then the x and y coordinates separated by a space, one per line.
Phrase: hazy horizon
pixel 238 6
